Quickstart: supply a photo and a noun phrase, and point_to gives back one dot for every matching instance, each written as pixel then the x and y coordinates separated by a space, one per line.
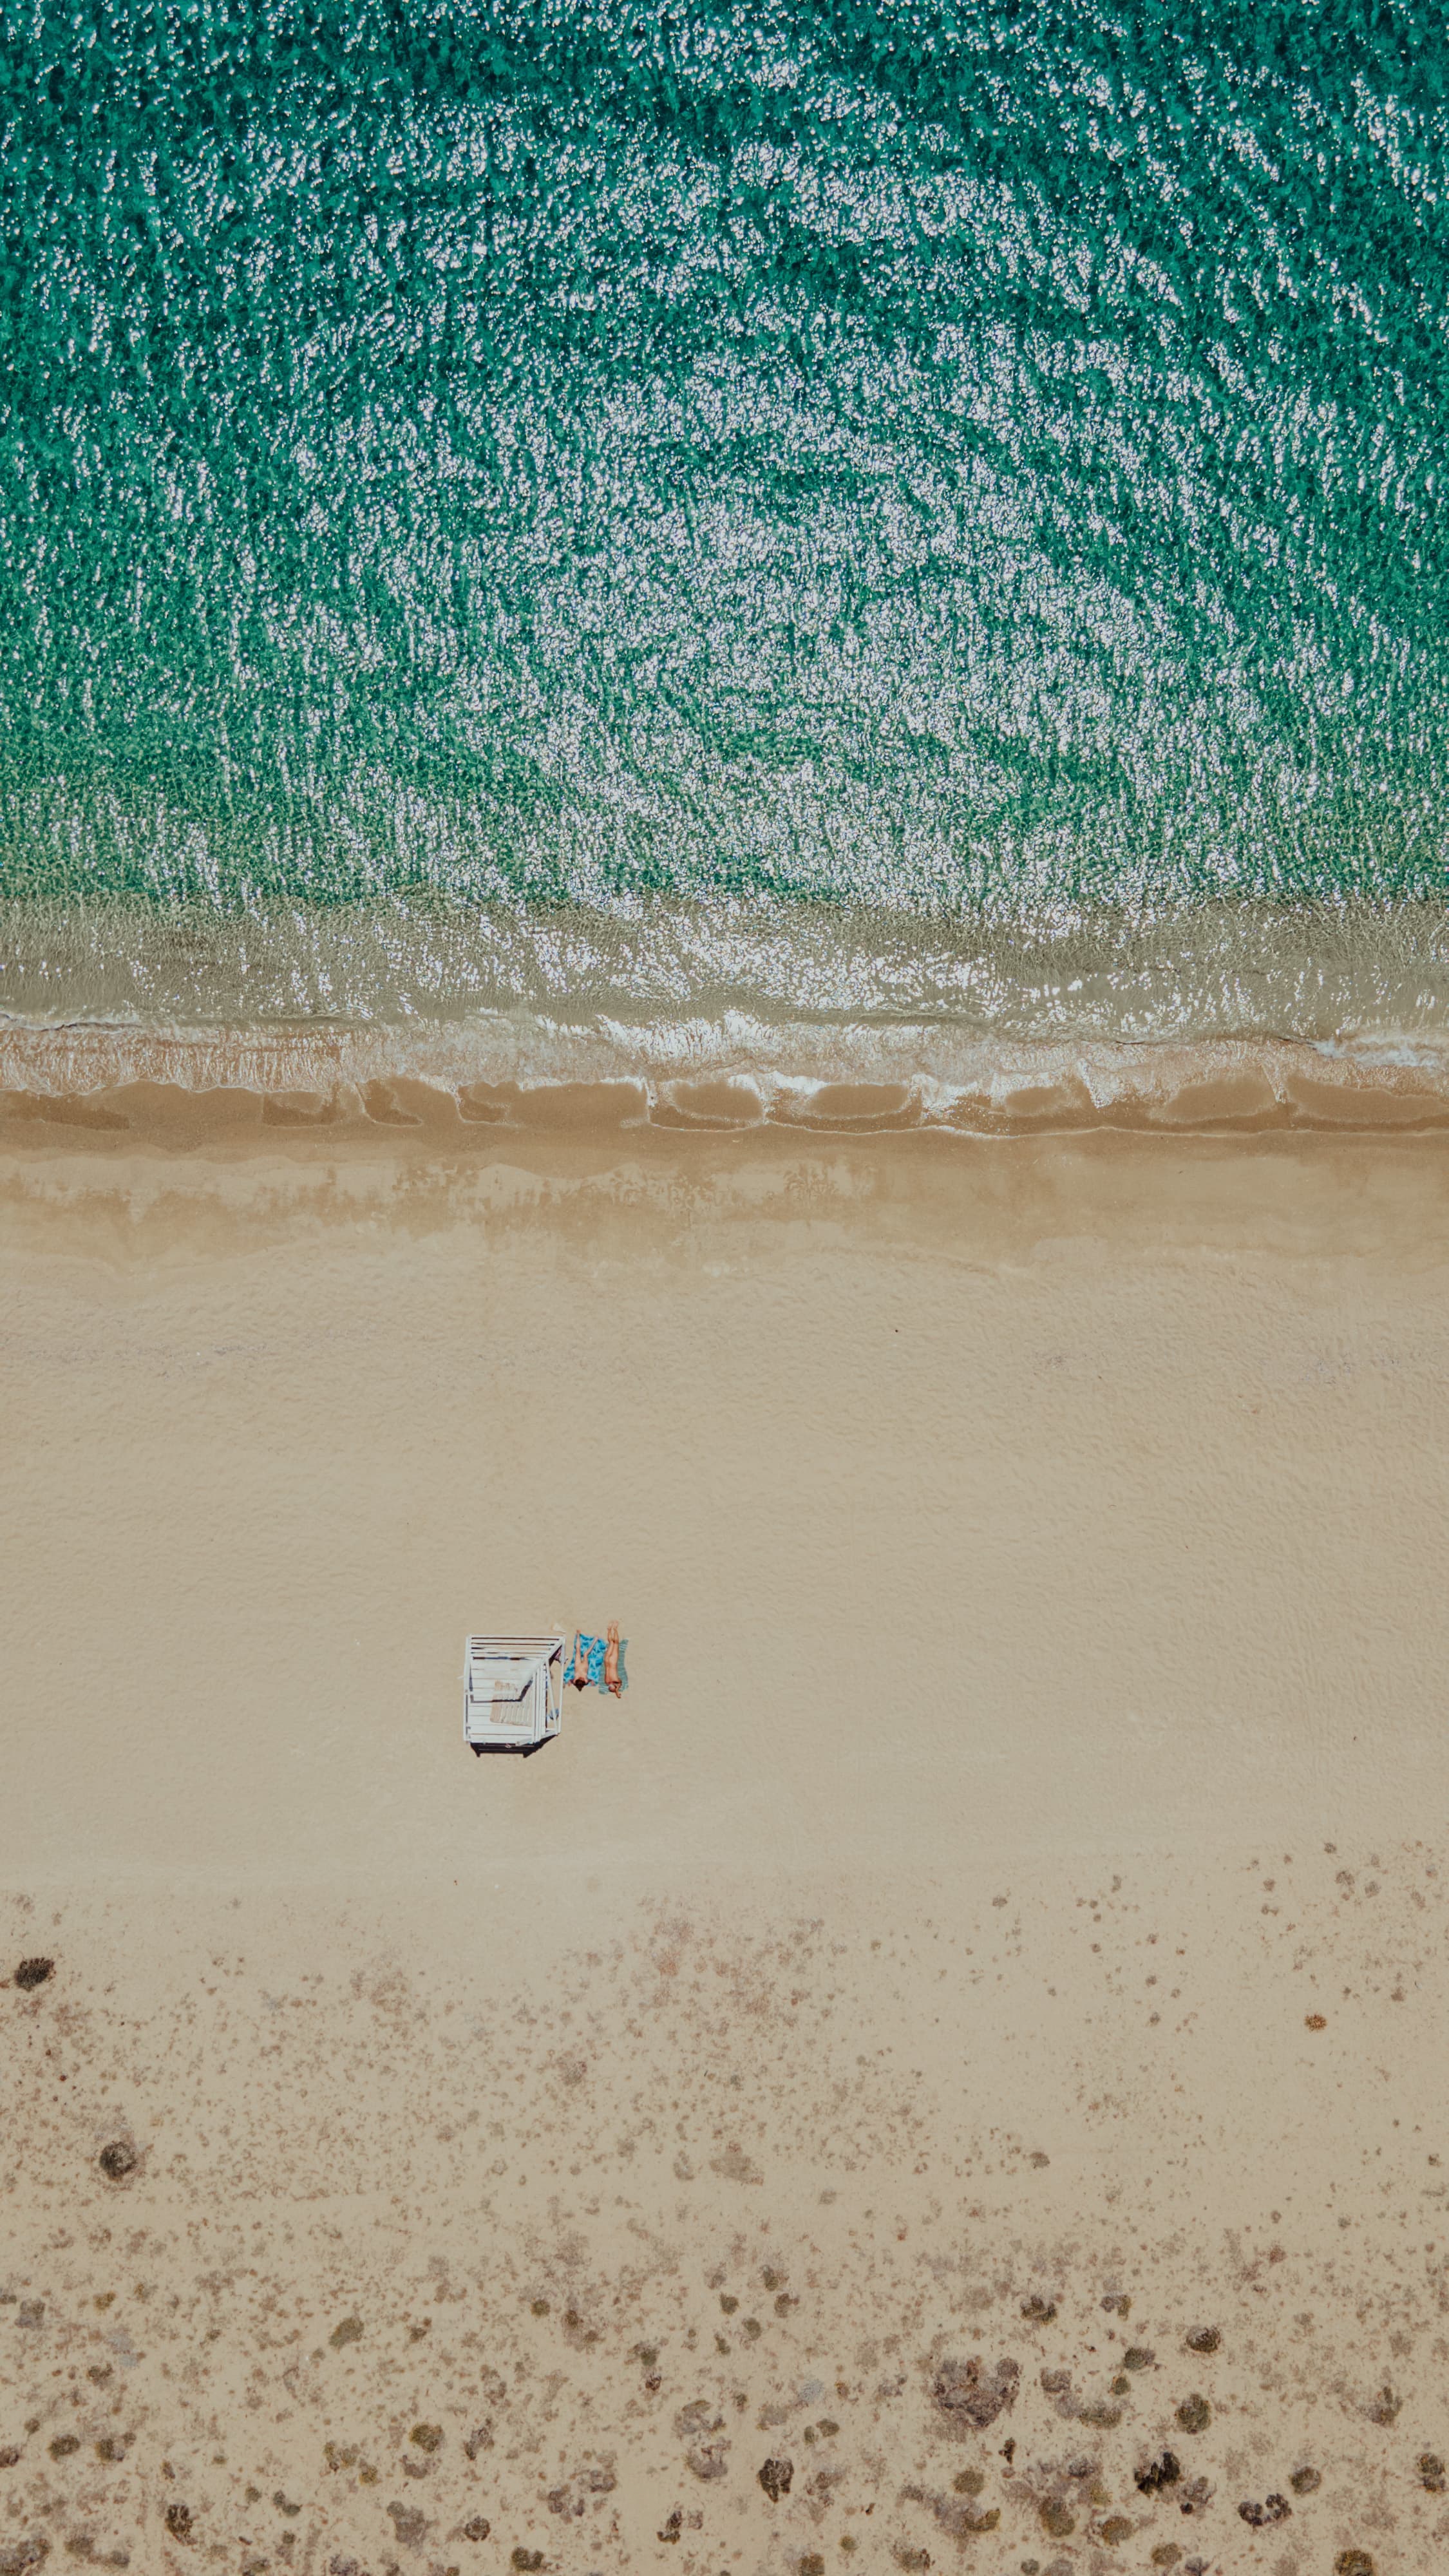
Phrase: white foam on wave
pixel 850 1017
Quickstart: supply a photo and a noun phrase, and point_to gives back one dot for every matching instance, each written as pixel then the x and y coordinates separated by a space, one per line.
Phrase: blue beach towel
pixel 594 1660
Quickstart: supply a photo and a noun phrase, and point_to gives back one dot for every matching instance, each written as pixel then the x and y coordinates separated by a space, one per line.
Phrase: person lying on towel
pixel 596 1660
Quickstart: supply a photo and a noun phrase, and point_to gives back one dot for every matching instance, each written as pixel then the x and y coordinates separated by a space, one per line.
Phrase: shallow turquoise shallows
pixel 983 455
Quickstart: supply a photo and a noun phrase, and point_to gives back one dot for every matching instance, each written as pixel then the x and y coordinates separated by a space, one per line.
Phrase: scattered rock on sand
pixel 700 2425
pixel 1431 2472
pixel 1164 2471
pixel 119 2160
pixel 961 2521
pixel 33 1972
pixel 17 2557
pixel 409 2523
pixel 178 2523
pixel 1274 2508
pixel 1204 2339
pixel 478 2528
pixel 954 2515
pixel 571 2500
pixel 775 2478
pixel 967 2394
pixel 735 2166
pixel 350 2331
pixel 1353 2562
pixel 1194 2414
pixel 1306 2481
pixel 701 2415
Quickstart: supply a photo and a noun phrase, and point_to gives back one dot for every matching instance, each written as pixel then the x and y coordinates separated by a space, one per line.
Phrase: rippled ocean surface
pixel 962 483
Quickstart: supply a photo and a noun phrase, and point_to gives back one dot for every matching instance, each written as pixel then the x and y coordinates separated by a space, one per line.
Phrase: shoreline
pixel 184 1089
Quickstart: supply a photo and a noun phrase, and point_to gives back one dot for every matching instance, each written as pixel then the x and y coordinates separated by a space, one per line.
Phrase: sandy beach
pixel 947 2072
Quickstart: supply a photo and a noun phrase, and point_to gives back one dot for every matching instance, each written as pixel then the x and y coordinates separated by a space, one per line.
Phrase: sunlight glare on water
pixel 962 458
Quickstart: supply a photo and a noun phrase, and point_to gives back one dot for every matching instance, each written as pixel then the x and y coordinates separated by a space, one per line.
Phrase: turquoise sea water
pixel 977 460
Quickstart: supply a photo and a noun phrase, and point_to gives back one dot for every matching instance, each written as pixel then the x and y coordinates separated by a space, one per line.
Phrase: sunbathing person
pixel 580 1674
pixel 611 1661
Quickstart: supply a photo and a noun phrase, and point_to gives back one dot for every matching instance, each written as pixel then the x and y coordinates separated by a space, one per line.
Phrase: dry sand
pixel 967 2027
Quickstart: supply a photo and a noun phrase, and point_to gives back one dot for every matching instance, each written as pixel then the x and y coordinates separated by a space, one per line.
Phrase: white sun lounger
pixel 512 1692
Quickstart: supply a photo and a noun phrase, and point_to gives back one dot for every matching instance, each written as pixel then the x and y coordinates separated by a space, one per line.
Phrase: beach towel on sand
pixel 593 1650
